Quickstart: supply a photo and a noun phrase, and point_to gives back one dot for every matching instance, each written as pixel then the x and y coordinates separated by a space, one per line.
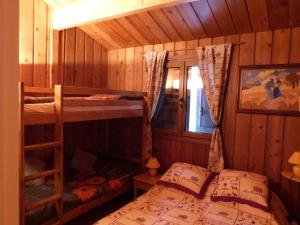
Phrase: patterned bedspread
pixel 168 206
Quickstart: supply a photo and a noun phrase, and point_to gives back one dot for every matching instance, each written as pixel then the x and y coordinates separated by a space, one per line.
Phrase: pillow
pixel 188 178
pixel 33 166
pixel 244 188
pixel 83 162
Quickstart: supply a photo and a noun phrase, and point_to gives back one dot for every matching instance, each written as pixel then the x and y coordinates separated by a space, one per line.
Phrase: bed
pixel 110 169
pixel 41 110
pixel 168 206
pixel 56 106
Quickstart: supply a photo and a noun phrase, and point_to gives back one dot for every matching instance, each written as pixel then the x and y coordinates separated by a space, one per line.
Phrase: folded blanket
pixel 85 193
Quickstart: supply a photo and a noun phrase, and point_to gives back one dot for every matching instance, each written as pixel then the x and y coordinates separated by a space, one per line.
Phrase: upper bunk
pixel 40 105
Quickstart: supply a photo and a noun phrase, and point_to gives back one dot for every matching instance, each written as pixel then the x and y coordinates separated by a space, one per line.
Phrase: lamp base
pixel 152 172
pixel 296 170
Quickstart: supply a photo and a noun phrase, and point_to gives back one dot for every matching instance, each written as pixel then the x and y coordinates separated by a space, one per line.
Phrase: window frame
pixel 182 63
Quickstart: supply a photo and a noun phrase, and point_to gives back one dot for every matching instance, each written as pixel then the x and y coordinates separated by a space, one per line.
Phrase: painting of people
pixel 270 89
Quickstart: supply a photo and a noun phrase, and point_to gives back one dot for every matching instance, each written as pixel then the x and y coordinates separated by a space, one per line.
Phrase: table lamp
pixel 295 160
pixel 152 165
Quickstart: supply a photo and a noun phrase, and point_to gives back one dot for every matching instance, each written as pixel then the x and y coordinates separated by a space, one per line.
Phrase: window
pixel 183 106
pixel 197 115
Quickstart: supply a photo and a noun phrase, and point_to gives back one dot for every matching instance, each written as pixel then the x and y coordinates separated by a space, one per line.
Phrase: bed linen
pixel 110 168
pixel 168 206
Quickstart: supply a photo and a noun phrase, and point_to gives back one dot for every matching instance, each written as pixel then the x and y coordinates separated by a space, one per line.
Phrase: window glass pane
pixel 197 116
pixel 167 109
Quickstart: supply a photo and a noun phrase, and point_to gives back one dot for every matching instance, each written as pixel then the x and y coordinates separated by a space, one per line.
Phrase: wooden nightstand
pixel 144 182
pixel 291 176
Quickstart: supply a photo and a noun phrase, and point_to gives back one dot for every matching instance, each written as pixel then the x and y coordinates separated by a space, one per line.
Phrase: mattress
pixel 39 108
pixel 46 105
pixel 107 167
pixel 168 206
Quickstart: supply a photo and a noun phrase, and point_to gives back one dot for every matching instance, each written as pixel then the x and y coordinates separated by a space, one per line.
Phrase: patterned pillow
pixel 244 188
pixel 84 163
pixel 188 178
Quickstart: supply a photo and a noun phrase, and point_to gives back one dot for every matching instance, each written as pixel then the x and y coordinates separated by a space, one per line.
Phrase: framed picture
pixel 273 89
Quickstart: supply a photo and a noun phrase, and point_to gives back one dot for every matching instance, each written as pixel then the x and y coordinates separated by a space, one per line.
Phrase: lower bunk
pixel 112 178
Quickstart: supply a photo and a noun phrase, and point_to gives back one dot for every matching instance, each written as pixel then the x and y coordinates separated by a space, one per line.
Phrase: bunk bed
pixel 101 105
pixel 55 203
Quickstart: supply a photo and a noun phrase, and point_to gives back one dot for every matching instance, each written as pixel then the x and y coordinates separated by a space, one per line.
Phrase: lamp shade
pixel 152 163
pixel 295 158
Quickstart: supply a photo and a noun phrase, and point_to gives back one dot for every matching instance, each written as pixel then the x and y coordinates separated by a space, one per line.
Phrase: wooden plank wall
pixel 35 42
pixel 125 137
pixel 82 60
pixel 260 143
pixel 50 57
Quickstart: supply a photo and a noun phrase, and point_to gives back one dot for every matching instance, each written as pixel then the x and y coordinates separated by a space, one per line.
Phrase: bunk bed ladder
pixel 57 171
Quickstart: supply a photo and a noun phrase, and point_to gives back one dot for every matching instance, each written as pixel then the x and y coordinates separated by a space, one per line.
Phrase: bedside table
pixel 290 175
pixel 144 182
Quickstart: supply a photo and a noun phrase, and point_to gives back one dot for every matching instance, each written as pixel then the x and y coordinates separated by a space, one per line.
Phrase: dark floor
pixel 101 211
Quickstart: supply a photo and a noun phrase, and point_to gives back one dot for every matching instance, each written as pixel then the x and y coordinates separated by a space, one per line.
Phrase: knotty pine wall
pixel 50 57
pixel 82 60
pixel 99 137
pixel 256 142
pixel 35 44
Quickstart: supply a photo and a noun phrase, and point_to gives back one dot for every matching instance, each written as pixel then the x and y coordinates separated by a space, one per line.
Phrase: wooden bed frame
pixel 109 113
pixel 58 118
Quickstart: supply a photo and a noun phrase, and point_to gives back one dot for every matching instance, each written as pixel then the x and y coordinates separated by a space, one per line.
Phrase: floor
pixel 96 214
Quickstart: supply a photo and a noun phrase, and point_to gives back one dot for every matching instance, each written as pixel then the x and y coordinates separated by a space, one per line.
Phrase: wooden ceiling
pixel 194 20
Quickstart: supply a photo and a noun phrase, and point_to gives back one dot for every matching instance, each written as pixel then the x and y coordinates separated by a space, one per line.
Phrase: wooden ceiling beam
pixel 76 13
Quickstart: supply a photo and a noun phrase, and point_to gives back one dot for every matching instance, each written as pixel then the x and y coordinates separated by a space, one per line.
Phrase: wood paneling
pixel 240 16
pixel 69 62
pixel 278 11
pixel 125 137
pixel 89 62
pixel 79 58
pixel 34 44
pixel 82 59
pixel 258 12
pixel 194 20
pixel 190 17
pixel 178 22
pixel 260 143
pixel 206 16
pixel 223 17
pixel 160 18
pixel 50 57
pixel 154 27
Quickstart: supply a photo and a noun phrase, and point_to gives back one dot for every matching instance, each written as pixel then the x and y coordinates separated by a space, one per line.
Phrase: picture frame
pixel 269 89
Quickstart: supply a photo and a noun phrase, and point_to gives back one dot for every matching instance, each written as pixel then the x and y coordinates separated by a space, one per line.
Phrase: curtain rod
pixel 188 49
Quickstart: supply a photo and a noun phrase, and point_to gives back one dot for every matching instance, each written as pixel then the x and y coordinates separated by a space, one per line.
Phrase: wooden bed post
pixel 22 155
pixel 58 154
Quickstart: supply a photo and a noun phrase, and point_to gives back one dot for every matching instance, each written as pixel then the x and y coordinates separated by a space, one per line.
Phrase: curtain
pixel 213 63
pixel 155 69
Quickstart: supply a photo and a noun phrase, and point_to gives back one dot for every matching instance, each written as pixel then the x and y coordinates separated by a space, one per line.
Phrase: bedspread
pixel 168 206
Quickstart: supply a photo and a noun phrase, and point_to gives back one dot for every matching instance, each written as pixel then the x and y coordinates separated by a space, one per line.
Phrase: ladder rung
pixel 41 174
pixel 42 146
pixel 41 202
